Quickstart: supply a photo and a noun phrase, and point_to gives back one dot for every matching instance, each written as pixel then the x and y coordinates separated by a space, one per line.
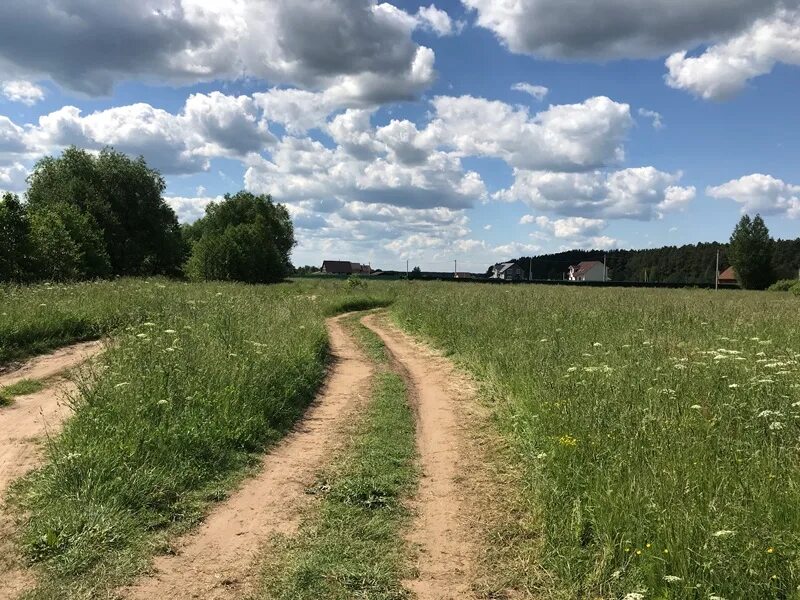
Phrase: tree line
pixel 757 259
pixel 88 216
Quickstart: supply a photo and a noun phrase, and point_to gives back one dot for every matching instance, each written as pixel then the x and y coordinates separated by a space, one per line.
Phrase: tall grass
pixel 203 377
pixel 658 430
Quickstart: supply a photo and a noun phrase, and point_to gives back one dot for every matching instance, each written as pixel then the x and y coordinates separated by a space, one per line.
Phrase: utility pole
pixel 406 268
pixel 455 269
pixel 716 279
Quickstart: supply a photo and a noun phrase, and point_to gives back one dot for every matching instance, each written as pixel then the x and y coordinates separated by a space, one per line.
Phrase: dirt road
pixel 22 426
pixel 220 560
pixel 446 562
pixel 30 417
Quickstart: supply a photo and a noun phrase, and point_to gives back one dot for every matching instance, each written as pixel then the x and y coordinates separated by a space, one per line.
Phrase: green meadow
pixel 656 430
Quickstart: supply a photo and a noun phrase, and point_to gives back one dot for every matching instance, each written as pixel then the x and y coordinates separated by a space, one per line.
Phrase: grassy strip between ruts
pixel 177 410
pixel 21 388
pixel 352 547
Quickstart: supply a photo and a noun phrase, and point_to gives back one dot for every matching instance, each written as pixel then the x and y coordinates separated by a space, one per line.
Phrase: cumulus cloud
pixel 13 178
pixel 610 29
pixel 655 117
pixel 361 48
pixel 566 137
pixel 572 232
pixel 637 193
pixel 208 126
pixel 437 21
pixel 189 209
pixel 724 69
pixel 24 92
pixel 537 91
pixel 760 193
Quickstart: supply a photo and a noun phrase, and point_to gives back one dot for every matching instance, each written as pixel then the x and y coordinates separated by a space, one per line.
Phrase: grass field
pixel 658 429
pixel 199 379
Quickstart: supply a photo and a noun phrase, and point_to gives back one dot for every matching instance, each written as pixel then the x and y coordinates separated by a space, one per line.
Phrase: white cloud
pixel 567 137
pixel 22 91
pixel 437 21
pixel 760 193
pixel 636 193
pixel 609 29
pixel 213 125
pixel 13 178
pixel 537 91
pixel 190 209
pixel 571 226
pixel 725 68
pixel 655 117
pixel 360 47
pixel 487 227
pixel 12 137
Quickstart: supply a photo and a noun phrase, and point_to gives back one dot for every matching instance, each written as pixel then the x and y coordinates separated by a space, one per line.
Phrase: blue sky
pixel 395 132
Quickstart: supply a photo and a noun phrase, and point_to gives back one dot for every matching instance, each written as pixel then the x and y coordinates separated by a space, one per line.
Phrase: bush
pixel 784 285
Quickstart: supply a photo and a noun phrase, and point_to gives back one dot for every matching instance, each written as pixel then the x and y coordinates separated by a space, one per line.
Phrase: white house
pixel 589 270
pixel 509 271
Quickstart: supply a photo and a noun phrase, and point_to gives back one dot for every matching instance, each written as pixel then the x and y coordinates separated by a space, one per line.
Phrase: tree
pixel 243 238
pixel 57 257
pixel 15 248
pixel 119 196
pixel 750 253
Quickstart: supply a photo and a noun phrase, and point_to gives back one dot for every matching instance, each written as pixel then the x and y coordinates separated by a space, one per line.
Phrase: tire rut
pixel 447 549
pixel 221 559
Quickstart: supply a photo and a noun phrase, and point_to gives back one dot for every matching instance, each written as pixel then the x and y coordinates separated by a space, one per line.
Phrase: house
pixel 588 270
pixel 728 277
pixel 343 267
pixel 508 271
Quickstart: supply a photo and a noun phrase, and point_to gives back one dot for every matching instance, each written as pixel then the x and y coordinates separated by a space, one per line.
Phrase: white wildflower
pixel 712 597
pixel 672 578
pixel 733 385
pixel 597 344
pixel 541 455
pixel 572 369
pixel 634 596
pixel 616 574
pixel 141 335
pixel 775 425
pixel 696 407
pixel 170 331
pixel 161 402
pixel 679 366
pixel 170 349
pixel 723 533
pixel 149 324
pixel 543 340
pixel 769 413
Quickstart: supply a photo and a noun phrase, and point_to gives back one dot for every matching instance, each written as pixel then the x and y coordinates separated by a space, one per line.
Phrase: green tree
pixel 243 238
pixel 57 257
pixel 123 198
pixel 15 246
pixel 750 252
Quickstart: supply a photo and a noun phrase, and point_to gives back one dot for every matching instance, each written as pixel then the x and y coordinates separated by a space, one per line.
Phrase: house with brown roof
pixel 343 267
pixel 728 277
pixel 588 270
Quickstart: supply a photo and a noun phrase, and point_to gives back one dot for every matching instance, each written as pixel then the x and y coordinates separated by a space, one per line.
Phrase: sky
pixel 468 130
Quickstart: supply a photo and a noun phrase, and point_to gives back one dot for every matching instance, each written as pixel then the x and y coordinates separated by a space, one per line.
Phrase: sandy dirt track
pixel 221 559
pixel 446 562
pixel 22 426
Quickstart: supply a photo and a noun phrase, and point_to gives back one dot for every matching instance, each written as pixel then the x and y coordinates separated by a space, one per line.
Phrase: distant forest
pixel 670 264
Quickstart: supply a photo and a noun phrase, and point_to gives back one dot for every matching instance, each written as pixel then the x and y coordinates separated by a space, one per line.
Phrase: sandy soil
pixel 447 557
pixel 22 425
pixel 55 363
pixel 221 559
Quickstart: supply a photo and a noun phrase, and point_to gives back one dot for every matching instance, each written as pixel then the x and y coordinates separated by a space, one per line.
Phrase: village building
pixel 728 277
pixel 508 271
pixel 343 267
pixel 588 270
